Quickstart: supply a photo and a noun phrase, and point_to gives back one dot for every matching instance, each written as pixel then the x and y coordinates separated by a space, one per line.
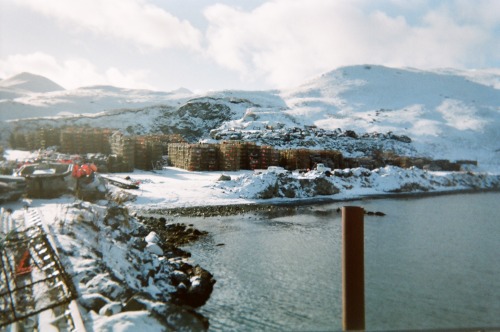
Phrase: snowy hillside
pixel 448 114
pixel 193 118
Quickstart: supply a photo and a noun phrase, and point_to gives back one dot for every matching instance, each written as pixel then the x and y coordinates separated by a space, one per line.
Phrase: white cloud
pixel 286 41
pixel 483 12
pixel 280 43
pixel 144 24
pixel 71 73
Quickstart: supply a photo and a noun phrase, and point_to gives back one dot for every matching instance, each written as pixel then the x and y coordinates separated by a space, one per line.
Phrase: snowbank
pixel 354 183
pixel 177 188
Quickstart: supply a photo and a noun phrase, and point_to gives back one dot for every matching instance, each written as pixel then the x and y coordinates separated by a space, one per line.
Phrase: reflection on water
pixel 430 263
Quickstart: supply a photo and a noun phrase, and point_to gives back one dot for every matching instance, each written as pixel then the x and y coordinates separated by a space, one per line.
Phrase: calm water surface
pixel 429 263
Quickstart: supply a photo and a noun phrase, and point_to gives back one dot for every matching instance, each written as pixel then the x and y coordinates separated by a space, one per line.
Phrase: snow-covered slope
pixel 444 112
pixel 190 115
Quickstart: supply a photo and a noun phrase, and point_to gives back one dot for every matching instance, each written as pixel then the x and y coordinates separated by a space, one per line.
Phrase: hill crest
pixel 27 82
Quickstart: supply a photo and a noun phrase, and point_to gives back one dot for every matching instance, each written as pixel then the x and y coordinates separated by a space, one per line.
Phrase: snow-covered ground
pixel 176 188
pixel 99 250
pixel 448 114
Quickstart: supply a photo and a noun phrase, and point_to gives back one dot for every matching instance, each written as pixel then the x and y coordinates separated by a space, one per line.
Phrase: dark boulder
pixel 325 187
pixel 200 288
pixel 138 302
pixel 93 302
pixel 224 177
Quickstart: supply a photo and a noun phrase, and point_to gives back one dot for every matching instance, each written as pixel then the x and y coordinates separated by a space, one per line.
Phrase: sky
pixel 239 44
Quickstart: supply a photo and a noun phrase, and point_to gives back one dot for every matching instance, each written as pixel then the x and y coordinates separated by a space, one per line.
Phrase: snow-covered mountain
pixel 446 113
pixel 31 96
pixel 27 82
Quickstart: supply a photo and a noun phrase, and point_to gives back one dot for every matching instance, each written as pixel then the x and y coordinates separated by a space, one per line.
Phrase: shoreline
pixel 237 209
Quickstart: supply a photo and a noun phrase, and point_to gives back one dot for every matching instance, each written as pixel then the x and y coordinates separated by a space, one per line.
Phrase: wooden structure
pixel 85 140
pixel 123 146
pixel 40 138
pixel 307 159
pixel 194 157
pixel 236 155
pixel 147 152
pixel 230 155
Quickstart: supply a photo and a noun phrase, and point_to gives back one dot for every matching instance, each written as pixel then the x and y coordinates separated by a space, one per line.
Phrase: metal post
pixel 353 268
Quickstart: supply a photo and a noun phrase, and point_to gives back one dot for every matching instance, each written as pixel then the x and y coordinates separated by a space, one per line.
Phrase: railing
pixel 33 280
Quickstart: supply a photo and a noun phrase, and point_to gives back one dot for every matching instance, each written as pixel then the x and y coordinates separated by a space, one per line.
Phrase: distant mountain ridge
pixel 16 103
pixel 28 82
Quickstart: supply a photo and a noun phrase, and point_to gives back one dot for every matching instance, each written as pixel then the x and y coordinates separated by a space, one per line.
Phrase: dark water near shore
pixel 431 263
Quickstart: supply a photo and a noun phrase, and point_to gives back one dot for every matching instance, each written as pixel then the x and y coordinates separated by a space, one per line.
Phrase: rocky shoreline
pixel 216 210
pixel 193 284
pixel 122 263
pixel 236 209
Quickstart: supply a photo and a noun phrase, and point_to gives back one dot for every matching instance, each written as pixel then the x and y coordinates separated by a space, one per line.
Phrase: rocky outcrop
pixel 193 284
pixel 379 181
pixel 119 263
pixel 324 187
pixel 286 185
pixel 196 117
pixel 347 141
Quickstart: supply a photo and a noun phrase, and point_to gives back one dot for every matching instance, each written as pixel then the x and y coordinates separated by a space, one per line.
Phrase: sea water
pixel 430 263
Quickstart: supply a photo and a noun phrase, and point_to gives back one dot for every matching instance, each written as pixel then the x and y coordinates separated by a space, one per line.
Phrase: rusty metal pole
pixel 353 268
